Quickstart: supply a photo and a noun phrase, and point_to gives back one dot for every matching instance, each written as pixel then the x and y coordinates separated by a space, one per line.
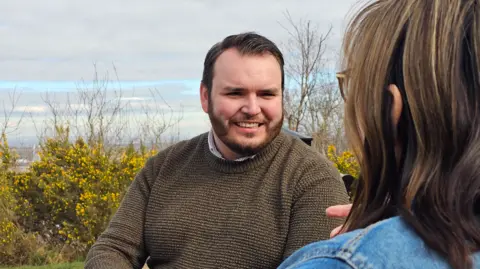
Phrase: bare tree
pixel 312 102
pixel 57 118
pixel 158 116
pixel 305 62
pixel 325 117
pixel 7 126
pixel 99 112
pixel 102 108
pixel 92 112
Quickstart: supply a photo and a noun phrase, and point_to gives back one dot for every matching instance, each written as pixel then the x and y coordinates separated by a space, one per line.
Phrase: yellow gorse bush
pixel 69 195
pixel 12 238
pixel 7 201
pixel 345 162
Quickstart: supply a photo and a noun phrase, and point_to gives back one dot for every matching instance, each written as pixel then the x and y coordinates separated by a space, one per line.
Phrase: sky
pixel 54 46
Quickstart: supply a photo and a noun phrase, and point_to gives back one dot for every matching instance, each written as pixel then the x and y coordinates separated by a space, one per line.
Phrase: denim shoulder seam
pixel 348 251
pixel 330 256
pixel 348 248
pixel 344 252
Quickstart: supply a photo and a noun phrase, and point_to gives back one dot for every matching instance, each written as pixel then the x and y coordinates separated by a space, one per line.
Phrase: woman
pixel 412 115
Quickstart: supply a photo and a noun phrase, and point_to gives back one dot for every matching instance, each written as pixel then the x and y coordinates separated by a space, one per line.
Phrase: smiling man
pixel 244 97
pixel 244 195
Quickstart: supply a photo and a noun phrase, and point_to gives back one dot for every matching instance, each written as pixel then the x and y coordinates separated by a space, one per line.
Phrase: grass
pixel 75 265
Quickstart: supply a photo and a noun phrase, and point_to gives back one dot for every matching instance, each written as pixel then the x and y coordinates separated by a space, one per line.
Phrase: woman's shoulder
pixel 386 244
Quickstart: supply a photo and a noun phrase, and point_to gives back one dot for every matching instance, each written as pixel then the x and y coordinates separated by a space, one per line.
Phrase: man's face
pixel 245 105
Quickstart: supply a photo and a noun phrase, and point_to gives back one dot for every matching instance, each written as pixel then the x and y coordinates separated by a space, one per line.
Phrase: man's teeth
pixel 248 124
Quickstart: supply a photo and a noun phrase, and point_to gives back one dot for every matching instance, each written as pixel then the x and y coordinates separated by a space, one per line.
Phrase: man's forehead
pixel 249 88
pixel 232 57
pixel 246 82
pixel 248 64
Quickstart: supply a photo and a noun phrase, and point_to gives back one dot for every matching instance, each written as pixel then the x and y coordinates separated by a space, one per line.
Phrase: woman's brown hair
pixel 426 168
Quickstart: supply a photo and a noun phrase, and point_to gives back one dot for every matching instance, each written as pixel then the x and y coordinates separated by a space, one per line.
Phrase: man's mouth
pixel 248 124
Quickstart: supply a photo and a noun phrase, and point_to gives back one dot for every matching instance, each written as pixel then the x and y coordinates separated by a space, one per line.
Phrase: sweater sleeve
pixel 318 187
pixel 121 245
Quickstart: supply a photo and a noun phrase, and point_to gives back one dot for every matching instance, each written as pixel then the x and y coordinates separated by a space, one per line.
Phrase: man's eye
pixel 234 93
pixel 268 94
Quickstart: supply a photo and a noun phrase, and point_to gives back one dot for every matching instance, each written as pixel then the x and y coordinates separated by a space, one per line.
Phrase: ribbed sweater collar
pixel 232 167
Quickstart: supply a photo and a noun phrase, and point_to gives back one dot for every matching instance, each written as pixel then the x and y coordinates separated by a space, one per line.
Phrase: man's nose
pixel 251 106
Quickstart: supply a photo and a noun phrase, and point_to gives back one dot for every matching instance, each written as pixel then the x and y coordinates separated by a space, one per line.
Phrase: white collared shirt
pixel 214 150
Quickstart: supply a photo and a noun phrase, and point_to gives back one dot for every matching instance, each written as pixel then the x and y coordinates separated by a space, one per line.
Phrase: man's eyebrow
pixel 239 89
pixel 229 88
pixel 273 90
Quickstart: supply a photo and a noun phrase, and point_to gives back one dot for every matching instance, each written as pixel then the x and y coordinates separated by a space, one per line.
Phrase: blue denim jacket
pixel 387 244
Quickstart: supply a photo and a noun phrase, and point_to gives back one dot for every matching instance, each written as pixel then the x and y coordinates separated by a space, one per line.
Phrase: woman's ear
pixel 397 105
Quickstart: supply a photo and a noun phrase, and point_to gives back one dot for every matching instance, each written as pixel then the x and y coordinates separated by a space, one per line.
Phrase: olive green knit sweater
pixel 189 209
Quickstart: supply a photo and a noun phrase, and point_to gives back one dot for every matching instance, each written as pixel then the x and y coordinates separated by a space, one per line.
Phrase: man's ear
pixel 397 103
pixel 204 97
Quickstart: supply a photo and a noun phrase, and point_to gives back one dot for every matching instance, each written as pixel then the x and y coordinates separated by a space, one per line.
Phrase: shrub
pixel 16 246
pixel 65 199
pixel 70 194
pixel 345 162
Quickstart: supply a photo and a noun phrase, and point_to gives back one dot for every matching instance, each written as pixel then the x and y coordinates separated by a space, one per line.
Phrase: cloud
pixel 146 39
pixel 12 124
pixel 134 99
pixel 79 106
pixel 31 109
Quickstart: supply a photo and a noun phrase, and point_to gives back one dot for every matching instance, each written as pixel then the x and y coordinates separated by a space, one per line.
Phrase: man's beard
pixel 247 149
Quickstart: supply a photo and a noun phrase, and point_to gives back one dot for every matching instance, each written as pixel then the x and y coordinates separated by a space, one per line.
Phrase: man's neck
pixel 224 152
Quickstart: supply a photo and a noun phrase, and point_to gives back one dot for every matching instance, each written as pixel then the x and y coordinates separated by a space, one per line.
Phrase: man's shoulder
pixel 310 170
pixel 381 245
pixel 306 158
pixel 297 149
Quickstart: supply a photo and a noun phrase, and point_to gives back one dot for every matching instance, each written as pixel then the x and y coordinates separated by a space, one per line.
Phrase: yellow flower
pixel 345 162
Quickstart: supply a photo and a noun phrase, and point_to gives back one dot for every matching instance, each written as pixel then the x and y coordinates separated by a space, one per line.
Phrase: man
pixel 244 195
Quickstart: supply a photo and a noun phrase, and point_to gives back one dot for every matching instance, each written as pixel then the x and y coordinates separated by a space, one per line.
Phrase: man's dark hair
pixel 249 43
